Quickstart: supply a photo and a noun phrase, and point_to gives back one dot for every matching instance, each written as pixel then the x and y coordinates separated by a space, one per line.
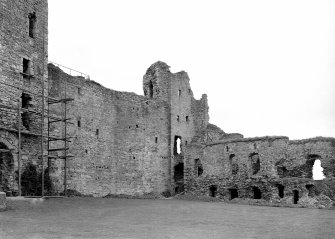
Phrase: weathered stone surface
pixel 123 144
pixel 3 203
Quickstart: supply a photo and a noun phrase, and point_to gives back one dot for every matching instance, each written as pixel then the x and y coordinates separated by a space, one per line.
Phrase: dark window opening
pixel 233 164
pixel 137 126
pixel 233 193
pixel 311 190
pixel 295 196
pixel 79 91
pixel 212 191
pixel 86 151
pixel 227 148
pixel 200 171
pixel 97 132
pixel 189 90
pixel 280 190
pixel 257 193
pixel 32 24
pixel 179 177
pixel 179 92
pixel 156 140
pixel 177 145
pixel 25 101
pixel 26 120
pixel 187 119
pixel 255 162
pixel 281 171
pixel 151 89
pixel 255 146
pixel 178 118
pixel 198 167
pixel 26 68
pixel 79 123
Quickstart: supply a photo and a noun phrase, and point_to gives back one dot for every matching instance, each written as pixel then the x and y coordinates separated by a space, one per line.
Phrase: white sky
pixel 268 67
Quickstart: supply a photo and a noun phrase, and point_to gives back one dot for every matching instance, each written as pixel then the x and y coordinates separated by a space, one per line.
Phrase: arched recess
pixel 255 162
pixel 8 161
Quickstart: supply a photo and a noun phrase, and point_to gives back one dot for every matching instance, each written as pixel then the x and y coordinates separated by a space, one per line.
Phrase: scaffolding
pixel 44 114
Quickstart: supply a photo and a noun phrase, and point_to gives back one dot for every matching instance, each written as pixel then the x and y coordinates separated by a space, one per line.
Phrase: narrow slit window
pixel 97 133
pixel 178 118
pixel 32 24
pixel 156 140
pixel 187 118
pixel 179 92
pixel 79 123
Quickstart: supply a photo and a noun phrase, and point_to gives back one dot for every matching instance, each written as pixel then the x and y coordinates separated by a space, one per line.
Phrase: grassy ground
pixel 140 218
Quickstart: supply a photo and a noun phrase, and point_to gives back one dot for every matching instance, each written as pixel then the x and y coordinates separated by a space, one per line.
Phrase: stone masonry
pixel 158 143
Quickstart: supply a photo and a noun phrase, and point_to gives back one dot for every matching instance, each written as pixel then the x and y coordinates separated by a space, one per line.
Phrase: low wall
pixel 2 201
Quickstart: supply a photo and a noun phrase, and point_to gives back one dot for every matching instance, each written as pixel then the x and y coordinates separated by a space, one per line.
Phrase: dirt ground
pixel 144 218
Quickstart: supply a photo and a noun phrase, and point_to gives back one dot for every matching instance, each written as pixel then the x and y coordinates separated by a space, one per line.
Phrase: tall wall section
pixel 23 59
pixel 120 143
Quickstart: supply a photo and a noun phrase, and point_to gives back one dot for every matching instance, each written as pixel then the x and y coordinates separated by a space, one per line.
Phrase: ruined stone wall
pixel 23 51
pixel 121 145
pixel 267 163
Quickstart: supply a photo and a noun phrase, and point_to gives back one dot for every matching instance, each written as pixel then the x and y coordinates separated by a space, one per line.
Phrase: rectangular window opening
pixel 156 140
pixel 26 68
pixel 187 119
pixel 32 24
pixel 97 133
pixel 26 101
pixel 79 123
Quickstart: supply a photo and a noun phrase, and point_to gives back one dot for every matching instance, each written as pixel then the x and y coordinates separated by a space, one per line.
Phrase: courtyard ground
pixel 144 218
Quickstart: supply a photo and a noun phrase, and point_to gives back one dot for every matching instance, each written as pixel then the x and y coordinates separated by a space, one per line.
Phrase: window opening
pixel 97 132
pixel 311 190
pixel 25 100
pixel 178 118
pixel 187 119
pixel 156 140
pixel 177 145
pixel 32 24
pixel 151 89
pixel 179 92
pixel 79 123
pixel 26 68
pixel 255 162
pixel 318 170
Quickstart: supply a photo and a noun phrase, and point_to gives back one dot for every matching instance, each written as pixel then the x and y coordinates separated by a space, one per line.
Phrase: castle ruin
pixel 61 133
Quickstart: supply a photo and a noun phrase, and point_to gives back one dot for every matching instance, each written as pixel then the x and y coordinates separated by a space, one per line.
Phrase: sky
pixel 268 67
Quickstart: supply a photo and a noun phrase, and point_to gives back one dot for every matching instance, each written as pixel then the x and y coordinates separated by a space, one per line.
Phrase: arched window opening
pixel 255 162
pixel 311 190
pixel 318 170
pixel 177 145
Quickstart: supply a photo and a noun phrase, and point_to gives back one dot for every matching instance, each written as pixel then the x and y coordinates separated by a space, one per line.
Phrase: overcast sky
pixel 268 67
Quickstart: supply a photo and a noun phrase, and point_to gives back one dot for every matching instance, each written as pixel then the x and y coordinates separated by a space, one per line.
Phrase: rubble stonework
pixel 158 143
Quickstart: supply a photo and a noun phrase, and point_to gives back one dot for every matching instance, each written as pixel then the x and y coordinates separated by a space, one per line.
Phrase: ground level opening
pixel 233 193
pixel 295 196
pixel 257 193
pixel 212 191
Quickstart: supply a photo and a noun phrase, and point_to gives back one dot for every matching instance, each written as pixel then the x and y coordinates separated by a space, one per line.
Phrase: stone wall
pixel 253 168
pixel 23 51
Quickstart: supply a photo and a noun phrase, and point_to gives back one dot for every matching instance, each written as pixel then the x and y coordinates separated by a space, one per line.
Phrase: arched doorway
pixel 6 168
